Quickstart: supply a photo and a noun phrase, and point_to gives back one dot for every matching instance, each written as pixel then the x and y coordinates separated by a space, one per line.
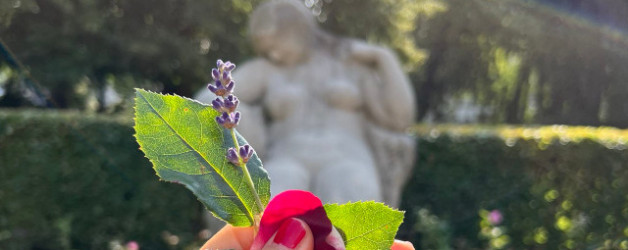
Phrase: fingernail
pixel 290 233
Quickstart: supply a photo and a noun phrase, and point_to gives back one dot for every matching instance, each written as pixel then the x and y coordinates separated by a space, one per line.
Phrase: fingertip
pixel 292 234
pixel 335 240
pixel 402 245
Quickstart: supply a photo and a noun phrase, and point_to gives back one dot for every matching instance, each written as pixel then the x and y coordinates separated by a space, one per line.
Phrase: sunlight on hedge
pixel 612 138
pixel 554 187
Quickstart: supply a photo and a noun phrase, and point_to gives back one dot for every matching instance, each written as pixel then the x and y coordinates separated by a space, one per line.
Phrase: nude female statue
pixel 325 114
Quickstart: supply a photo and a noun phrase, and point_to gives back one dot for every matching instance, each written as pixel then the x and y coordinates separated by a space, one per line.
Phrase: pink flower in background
pixel 132 245
pixel 495 217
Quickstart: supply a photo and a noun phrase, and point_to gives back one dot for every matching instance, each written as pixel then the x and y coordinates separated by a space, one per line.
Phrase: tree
pixel 545 61
pixel 170 44
pixel 528 62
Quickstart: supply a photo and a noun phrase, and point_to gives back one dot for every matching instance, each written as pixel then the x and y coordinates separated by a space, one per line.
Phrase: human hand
pixel 293 234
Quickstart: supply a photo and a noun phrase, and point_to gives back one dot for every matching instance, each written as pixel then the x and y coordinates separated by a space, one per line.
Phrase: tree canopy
pixel 529 61
pixel 163 43
pixel 519 61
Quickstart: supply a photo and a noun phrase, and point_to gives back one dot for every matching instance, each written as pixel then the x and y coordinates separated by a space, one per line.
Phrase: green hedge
pixel 76 181
pixel 556 186
pixel 71 181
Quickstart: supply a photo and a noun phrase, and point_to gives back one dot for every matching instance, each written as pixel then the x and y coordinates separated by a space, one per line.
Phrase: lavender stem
pixel 247 175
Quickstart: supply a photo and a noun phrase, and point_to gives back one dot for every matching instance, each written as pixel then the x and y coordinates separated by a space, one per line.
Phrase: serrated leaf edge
pixel 138 92
pixel 374 229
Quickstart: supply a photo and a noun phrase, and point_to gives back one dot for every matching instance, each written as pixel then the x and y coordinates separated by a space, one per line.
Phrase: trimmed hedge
pixel 557 187
pixel 76 181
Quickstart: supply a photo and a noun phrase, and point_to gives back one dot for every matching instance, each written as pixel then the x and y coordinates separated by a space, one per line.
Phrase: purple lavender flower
pixel 232 156
pixel 495 217
pixel 221 89
pixel 215 74
pixel 228 120
pixel 244 153
pixel 231 103
pixel 228 66
pixel 219 105
pixel 227 103
pixel 222 78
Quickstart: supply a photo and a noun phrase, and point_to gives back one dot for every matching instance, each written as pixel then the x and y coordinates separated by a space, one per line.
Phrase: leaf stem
pixel 249 180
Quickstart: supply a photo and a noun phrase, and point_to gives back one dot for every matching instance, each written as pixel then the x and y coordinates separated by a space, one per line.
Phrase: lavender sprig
pixel 229 118
pixel 222 78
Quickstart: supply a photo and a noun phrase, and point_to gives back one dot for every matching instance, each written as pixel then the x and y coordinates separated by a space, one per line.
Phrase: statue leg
pixel 344 181
pixel 285 174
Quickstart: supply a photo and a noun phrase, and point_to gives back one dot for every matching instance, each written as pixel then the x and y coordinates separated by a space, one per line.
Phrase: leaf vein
pixel 219 172
pixel 372 230
pixel 174 154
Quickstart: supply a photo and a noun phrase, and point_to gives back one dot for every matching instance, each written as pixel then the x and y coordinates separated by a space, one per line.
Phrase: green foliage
pixel 496 53
pixel 492 231
pixel 435 233
pixel 556 186
pixel 186 145
pixel 365 225
pixel 512 57
pixel 76 181
pixel 161 44
pixel 389 22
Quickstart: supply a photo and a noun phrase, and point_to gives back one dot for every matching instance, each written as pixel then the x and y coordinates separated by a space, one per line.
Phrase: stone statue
pixel 325 114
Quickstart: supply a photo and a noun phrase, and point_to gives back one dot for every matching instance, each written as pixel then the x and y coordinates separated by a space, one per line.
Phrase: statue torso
pixel 317 103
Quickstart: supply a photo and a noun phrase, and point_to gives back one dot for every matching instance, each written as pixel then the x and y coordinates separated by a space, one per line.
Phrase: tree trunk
pixel 514 113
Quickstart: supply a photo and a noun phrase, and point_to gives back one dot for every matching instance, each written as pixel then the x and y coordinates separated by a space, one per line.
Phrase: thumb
pixel 230 237
pixel 292 234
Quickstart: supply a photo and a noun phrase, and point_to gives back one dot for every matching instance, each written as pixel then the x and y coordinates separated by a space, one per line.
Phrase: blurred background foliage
pixel 87 186
pixel 74 48
pixel 507 61
pixel 75 179
pixel 556 187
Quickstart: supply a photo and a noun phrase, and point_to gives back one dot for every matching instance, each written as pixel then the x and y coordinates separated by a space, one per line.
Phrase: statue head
pixel 283 31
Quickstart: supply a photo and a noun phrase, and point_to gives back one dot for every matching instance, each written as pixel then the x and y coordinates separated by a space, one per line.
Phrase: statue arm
pixel 390 105
pixel 251 81
pixel 390 100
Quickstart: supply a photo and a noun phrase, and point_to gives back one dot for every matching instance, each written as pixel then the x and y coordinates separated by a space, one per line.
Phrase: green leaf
pixel 365 225
pixel 185 144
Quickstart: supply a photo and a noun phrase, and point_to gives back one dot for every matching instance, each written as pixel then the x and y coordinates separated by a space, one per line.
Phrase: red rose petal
pixel 295 204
